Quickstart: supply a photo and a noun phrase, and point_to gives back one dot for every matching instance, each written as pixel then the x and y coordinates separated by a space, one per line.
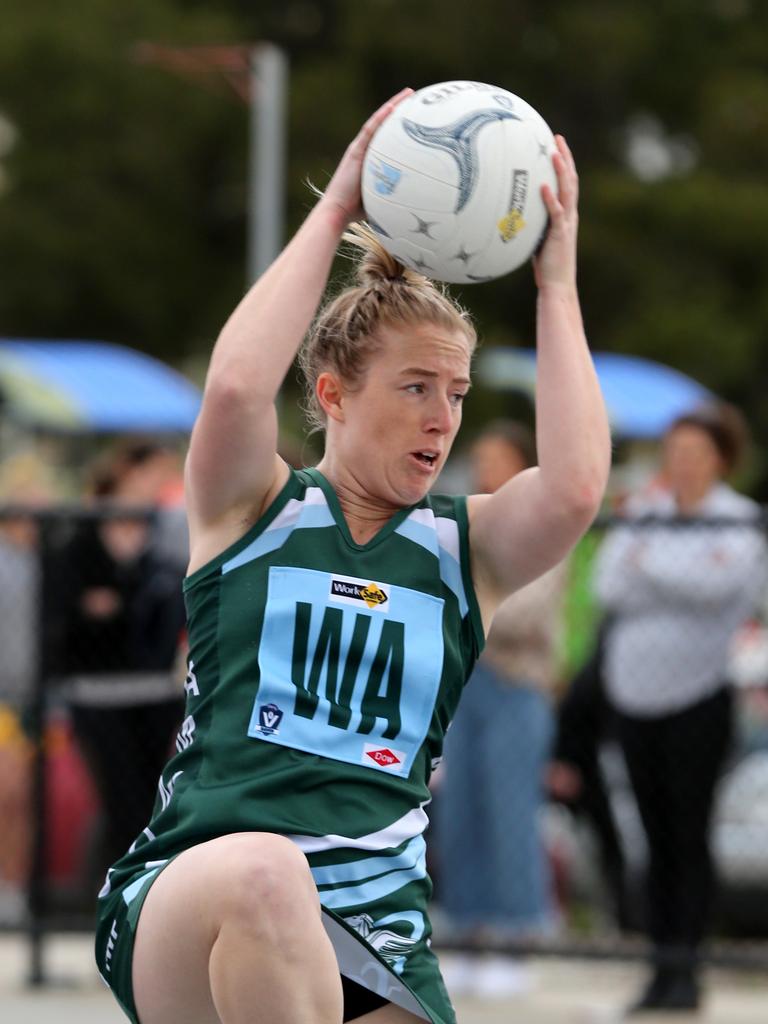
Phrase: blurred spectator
pixel 493 871
pixel 150 475
pixel 24 482
pixel 677 592
pixel 575 776
pixel 119 623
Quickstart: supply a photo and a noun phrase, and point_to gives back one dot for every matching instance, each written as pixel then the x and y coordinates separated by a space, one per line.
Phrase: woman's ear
pixel 330 395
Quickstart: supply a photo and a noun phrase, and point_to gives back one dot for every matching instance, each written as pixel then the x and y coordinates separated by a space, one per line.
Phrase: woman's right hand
pixel 343 190
pixel 555 263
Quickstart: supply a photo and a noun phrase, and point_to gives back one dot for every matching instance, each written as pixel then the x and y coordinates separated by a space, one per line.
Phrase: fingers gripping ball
pixel 452 181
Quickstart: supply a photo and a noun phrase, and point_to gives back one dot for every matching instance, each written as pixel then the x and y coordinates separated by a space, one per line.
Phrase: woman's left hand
pixel 555 263
pixel 343 191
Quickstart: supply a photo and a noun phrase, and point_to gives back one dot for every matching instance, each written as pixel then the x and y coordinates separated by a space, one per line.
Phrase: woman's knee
pixel 266 884
pixel 255 884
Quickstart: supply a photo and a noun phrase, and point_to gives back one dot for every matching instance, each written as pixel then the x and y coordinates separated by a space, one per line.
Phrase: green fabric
pixel 234 772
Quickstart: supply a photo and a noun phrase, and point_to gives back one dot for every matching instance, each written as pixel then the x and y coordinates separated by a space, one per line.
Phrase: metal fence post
pixel 38 883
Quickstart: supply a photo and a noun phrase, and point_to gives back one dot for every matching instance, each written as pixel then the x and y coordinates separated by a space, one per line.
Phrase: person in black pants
pixel 585 721
pixel 674 763
pixel 679 576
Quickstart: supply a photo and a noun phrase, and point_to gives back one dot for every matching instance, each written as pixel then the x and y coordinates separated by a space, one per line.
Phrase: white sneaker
pixel 500 977
pixel 458 970
pixel 13 905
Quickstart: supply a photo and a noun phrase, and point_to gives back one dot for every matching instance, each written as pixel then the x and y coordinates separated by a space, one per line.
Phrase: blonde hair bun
pixel 376 266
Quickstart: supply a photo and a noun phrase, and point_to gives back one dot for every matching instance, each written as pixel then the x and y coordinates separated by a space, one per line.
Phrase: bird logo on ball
pixel 460 140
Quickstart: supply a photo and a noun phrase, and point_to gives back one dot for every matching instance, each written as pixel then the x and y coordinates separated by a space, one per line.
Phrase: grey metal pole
pixel 266 178
pixel 38 925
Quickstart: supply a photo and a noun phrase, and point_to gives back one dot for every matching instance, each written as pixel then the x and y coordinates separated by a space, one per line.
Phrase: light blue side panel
pixel 356 871
pixel 419 534
pixel 450 570
pixel 312 517
pixel 376 889
pixel 450 574
pixel 132 891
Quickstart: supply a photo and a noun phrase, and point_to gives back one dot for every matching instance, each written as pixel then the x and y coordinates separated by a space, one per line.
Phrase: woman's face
pixel 398 424
pixel 692 463
pixel 143 483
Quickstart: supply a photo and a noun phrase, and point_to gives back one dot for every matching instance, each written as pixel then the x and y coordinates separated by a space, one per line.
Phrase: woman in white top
pixel 676 592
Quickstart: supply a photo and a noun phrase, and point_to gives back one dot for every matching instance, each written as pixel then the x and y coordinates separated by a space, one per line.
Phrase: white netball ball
pixel 452 181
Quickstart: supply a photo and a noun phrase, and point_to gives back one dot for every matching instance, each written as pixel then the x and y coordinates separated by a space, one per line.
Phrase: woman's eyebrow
pixel 420 371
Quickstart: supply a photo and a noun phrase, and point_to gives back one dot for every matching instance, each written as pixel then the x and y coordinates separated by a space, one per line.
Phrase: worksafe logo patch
pixel 347 590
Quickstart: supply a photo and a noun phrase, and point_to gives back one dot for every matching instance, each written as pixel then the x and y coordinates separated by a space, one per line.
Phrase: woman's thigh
pixel 185 910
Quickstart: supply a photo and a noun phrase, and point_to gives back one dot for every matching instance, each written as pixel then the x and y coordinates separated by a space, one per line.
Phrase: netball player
pixel 334 616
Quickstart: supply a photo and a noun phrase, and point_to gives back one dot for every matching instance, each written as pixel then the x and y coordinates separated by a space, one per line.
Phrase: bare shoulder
pixel 209 539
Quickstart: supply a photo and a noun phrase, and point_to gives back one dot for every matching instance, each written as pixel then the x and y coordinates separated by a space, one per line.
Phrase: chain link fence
pixel 605 781
pixel 91 699
pixel 618 721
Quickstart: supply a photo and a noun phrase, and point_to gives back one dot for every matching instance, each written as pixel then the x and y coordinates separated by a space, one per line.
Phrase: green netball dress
pixel 322 677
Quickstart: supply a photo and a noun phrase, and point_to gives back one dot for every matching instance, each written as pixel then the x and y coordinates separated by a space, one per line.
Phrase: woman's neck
pixel 364 513
pixel 690 501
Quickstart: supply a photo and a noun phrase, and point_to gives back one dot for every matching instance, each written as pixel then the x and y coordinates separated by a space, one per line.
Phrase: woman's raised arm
pixel 232 466
pixel 534 520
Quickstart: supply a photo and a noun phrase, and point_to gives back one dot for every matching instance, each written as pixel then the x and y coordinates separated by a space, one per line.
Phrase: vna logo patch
pixel 270 717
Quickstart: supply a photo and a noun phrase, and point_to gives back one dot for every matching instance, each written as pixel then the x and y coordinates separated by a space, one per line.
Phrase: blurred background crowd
pixel 607 776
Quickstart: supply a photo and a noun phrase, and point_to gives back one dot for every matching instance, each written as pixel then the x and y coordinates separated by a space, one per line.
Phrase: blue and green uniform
pixel 322 677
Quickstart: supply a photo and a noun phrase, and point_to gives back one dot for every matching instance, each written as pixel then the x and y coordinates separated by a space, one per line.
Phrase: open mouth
pixel 427 458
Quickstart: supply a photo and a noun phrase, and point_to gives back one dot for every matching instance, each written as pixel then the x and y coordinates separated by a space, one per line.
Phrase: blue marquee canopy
pixel 94 386
pixel 82 386
pixel 642 396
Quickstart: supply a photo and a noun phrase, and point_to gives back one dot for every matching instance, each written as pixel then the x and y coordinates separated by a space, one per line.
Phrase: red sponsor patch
pixel 383 756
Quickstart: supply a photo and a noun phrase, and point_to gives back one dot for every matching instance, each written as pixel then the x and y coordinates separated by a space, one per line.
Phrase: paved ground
pixel 563 992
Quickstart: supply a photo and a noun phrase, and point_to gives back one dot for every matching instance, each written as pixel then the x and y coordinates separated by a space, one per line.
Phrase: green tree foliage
pixel 123 211
pixel 121 216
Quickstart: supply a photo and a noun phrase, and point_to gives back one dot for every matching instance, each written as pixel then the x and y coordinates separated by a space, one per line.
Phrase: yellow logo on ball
pixel 510 225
